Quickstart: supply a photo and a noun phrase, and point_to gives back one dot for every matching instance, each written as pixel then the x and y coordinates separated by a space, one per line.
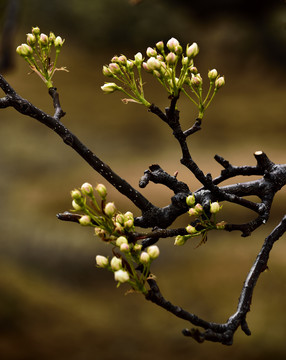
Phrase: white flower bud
pixel 180 240
pixel 153 63
pixel 172 44
pixel 87 188
pixel 212 74
pixel 192 50
pixel 101 261
pixel 121 240
pixel 153 251
pixel 191 229
pixel 85 220
pixel 121 276
pixel 101 190
pixel 116 263
pixel 110 209
pixel 215 207
pixel 144 257
pixel 124 247
pixel 191 200
pixel 109 88
pixel 219 82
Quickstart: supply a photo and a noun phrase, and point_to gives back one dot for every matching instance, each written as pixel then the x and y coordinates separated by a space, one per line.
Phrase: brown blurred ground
pixel 54 303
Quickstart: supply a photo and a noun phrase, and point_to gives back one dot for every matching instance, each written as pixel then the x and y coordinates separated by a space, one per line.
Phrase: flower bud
pixel 185 60
pixel 196 80
pixel 76 194
pixel 24 50
pixel 153 251
pixel 114 68
pixel 87 189
pixel 192 212
pixel 120 219
pixel 121 276
pixel 106 71
pixel 171 58
pixel 130 64
pixel 101 190
pixel 76 206
pixel 178 50
pixel 153 63
pixel 191 200
pixel 110 209
pixel 192 50
pixel 215 207
pixel 52 37
pixel 116 263
pixel 146 67
pixel 31 39
pixel 219 82
pixel 180 240
pixel 122 59
pixel 121 240
pixel 109 88
pixel 58 42
pixel 191 229
pixel 199 209
pixel 43 40
pixel 36 30
pixel 128 224
pixel 193 70
pixel 160 45
pixel 101 261
pixel 125 248
pixel 85 220
pixel 137 247
pixel 172 44
pixel 212 74
pixel 144 257
pixel 138 59
pixel 151 52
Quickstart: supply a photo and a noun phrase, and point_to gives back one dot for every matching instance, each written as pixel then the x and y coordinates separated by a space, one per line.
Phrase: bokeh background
pixel 54 302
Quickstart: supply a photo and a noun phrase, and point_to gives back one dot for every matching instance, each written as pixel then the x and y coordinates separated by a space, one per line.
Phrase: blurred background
pixel 54 302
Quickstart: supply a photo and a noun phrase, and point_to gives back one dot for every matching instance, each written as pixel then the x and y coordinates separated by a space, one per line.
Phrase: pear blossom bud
pixel 192 212
pixel 125 248
pixel 171 58
pixel 172 44
pixel 52 37
pixel 193 70
pixel 180 240
pixel 128 224
pixel 196 80
pixel 85 220
pixel 114 59
pixel 215 207
pixel 76 206
pixel 138 59
pixel 153 63
pixel 185 60
pixel 118 227
pixel 137 247
pixel 121 240
pixel 144 257
pixel 160 45
pixel 178 50
pixel 192 50
pixel 114 68
pixel 199 209
pixel 219 82
pixel 101 261
pixel 58 42
pixel 191 229
pixel 122 59
pixel 116 263
pixel 31 39
pixel 151 52
pixel 87 188
pixel 212 74
pixel 101 190
pixel 76 194
pixel 130 64
pixel 106 71
pixel 120 219
pixel 43 40
pixel 146 67
pixel 191 200
pixel 36 30
pixel 153 251
pixel 109 88
pixel 110 209
pixel 121 276
pixel 24 50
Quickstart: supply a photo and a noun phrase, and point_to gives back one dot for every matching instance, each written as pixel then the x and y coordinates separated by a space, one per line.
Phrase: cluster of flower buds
pixel 37 51
pixel 107 221
pixel 203 222
pixel 173 68
pixel 131 264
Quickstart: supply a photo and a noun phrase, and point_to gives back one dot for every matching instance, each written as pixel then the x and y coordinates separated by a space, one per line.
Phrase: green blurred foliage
pixel 54 303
